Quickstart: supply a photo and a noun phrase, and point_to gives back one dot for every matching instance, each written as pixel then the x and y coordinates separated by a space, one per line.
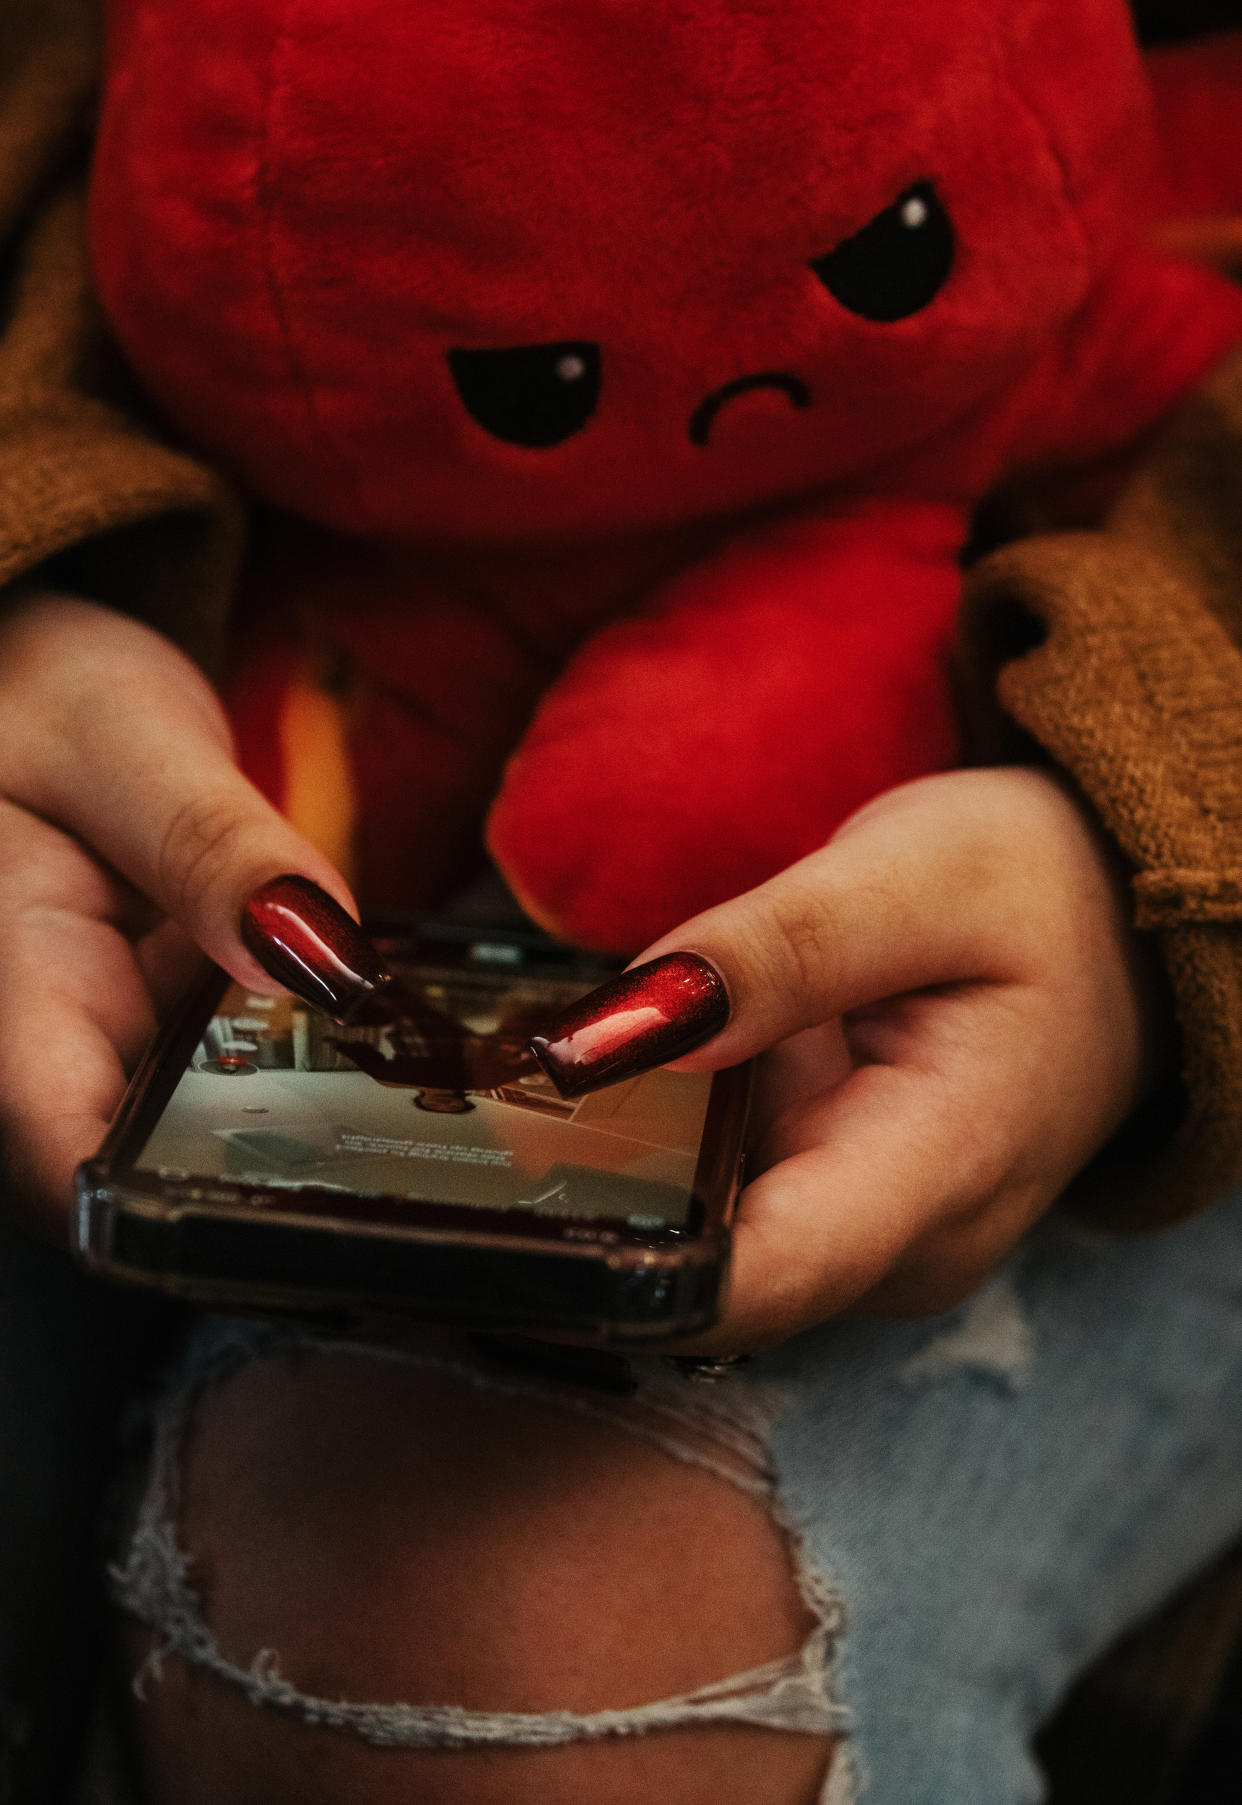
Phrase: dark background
pixel 1164 19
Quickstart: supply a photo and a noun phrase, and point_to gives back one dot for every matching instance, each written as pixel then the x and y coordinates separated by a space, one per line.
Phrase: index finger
pixel 922 888
pixel 117 737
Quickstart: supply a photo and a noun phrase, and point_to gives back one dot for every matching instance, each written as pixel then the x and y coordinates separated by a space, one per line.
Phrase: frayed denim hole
pixel 723 1435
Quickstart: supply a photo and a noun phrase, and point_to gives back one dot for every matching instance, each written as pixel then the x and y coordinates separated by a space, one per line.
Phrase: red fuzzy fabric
pixel 1196 88
pixel 299 212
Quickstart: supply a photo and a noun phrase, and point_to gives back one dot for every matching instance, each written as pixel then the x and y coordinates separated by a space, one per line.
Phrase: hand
pixel 128 840
pixel 959 1017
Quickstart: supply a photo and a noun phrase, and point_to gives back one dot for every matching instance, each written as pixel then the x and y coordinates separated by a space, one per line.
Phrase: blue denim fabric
pixel 997 1495
pixel 980 1504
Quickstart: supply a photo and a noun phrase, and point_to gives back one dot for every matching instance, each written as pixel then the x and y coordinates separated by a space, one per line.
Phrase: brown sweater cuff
pixel 90 506
pixel 1129 682
pixel 90 499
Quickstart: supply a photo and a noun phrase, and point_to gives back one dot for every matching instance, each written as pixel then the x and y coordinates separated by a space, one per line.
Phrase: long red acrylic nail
pixel 306 941
pixel 644 1018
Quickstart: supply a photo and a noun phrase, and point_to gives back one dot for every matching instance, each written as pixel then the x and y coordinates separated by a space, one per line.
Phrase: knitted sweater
pixel 1116 653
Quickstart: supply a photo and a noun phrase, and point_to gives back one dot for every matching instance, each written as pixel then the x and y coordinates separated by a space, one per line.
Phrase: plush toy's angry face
pixel 555 266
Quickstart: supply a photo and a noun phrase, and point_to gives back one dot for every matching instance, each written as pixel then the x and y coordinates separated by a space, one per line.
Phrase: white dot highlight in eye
pixel 571 368
pixel 914 213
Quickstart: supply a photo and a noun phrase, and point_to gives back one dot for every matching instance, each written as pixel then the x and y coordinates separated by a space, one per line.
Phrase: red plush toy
pixel 621 378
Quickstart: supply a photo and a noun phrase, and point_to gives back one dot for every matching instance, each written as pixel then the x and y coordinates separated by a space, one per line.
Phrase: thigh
pixel 905 1538
pixel 438 1582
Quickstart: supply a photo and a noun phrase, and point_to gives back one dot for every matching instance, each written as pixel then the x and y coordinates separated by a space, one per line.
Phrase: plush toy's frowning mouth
pixel 705 413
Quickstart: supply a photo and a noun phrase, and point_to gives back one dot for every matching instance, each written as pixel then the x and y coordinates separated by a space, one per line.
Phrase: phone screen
pixel 442 1106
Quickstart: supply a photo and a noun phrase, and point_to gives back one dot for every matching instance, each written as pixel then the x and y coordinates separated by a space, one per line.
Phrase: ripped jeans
pixel 974 1507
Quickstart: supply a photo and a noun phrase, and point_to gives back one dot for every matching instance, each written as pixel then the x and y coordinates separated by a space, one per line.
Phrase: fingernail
pixel 306 941
pixel 640 1020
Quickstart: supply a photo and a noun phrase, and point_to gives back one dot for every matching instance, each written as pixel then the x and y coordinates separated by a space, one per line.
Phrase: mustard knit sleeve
pixel 89 495
pixel 1118 655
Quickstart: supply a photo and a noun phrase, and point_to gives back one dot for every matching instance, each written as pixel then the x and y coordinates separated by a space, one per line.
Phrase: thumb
pixel 136 760
pixel 903 897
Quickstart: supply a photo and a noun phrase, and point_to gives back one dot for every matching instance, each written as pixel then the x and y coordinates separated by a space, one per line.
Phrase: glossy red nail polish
pixel 641 1020
pixel 306 941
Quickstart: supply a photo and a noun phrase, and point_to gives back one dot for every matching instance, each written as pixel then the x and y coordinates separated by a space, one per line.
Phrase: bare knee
pixel 397 1536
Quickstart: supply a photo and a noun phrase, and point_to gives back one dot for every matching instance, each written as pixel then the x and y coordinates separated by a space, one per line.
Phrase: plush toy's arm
pixel 1153 328
pixel 691 751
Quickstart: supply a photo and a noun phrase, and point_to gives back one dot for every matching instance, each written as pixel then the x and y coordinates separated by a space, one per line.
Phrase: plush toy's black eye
pixel 533 395
pixel 897 264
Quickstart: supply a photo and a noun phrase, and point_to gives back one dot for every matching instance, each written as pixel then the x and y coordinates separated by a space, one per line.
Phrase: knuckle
pixel 18 854
pixel 940 1281
pixel 792 949
pixel 38 1182
pixel 42 872
pixel 205 839
pixel 941 1292
pixel 986 1183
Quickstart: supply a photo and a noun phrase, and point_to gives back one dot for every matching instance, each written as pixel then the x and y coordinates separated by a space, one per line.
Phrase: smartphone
pixel 420 1165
